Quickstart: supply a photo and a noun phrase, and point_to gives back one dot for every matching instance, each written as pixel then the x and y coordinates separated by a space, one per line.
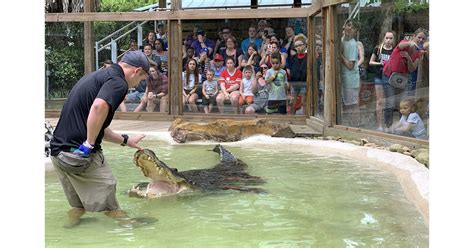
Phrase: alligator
pixel 229 174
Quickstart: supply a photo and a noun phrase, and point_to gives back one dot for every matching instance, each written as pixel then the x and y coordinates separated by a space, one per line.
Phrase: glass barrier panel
pixel 244 66
pixel 379 89
pixel 318 68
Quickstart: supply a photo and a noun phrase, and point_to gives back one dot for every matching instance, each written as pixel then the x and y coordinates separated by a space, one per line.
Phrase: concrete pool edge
pixel 413 176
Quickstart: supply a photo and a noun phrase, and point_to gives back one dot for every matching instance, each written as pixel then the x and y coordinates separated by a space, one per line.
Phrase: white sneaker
pixel 380 129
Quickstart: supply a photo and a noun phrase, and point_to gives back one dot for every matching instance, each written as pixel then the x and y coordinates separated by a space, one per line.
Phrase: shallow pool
pixel 313 201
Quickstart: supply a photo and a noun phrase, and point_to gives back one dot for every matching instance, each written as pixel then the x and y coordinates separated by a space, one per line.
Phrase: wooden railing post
pixel 89 6
pixel 329 27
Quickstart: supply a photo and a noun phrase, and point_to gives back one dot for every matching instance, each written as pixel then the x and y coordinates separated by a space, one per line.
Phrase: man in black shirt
pixel 76 153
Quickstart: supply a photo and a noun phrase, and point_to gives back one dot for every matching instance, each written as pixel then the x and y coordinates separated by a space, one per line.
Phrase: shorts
pixel 94 190
pixel 378 81
pixel 350 96
pixel 276 107
pixel 135 97
pixel 245 100
pixel 211 100
pixel 298 87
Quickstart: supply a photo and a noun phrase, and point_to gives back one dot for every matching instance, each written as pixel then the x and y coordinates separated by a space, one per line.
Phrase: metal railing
pixel 114 37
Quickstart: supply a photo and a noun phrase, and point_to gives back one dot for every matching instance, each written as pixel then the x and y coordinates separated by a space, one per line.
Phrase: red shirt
pixel 229 79
pixel 397 63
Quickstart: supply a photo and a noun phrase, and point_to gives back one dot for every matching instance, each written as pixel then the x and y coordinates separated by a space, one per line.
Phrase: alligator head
pixel 165 180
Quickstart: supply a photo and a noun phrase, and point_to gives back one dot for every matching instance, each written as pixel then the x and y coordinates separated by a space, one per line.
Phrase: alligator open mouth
pixel 229 173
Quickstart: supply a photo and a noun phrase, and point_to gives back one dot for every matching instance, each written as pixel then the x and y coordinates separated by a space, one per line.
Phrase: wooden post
pixel 329 26
pixel 311 91
pixel 162 4
pixel 89 6
pixel 175 62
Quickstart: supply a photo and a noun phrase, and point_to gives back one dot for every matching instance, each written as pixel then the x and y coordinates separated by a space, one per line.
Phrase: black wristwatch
pixel 125 140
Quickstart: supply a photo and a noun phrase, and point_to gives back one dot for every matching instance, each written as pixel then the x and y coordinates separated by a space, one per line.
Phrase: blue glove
pixel 84 150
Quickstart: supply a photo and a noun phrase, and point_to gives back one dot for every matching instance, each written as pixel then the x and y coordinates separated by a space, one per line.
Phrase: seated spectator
pixel 248 57
pixel 191 79
pixel 262 24
pixel 260 89
pixel 161 52
pixel 246 92
pixel 107 63
pixel 231 51
pixel 150 38
pixel 203 65
pixel 191 37
pixel 220 44
pixel 162 34
pixel 410 123
pixel 217 65
pixel 277 79
pixel 156 92
pixel 132 45
pixel 188 55
pixel 202 42
pixel 274 48
pixel 210 90
pixel 252 39
pixel 148 51
pixel 230 83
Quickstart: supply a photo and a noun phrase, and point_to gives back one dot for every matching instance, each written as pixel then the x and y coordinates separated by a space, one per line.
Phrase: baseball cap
pixel 201 32
pixel 137 59
pixel 218 57
pixel 204 50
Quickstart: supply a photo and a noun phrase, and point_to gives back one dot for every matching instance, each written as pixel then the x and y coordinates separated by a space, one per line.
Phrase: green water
pixel 312 201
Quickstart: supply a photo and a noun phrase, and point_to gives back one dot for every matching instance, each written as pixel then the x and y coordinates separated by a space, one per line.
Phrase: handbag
pixel 398 80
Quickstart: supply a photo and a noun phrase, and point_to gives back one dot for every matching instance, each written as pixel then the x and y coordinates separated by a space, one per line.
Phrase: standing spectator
pixel 202 42
pixel 380 56
pixel 191 79
pixel 210 89
pixel 419 37
pixel 350 72
pixel 260 89
pixel 220 44
pixel 229 82
pixel 277 79
pixel 404 59
pixel 76 147
pixel 162 34
pixel 262 24
pixel 288 41
pixel 252 39
pixel 233 52
pixel 298 70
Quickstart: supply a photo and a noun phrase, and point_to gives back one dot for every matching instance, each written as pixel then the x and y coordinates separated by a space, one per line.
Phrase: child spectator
pixel 246 93
pixel 298 73
pixel 350 77
pixel 410 123
pixel 380 56
pixel 191 79
pixel 278 81
pixel 209 92
pixel 260 89
pixel 217 65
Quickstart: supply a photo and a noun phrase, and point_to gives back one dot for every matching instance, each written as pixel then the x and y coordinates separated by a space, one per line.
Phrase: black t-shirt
pixel 71 131
pixel 298 68
pixel 379 56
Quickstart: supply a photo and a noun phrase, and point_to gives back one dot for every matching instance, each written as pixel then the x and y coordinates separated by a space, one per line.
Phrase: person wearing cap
pixel 76 147
pixel 202 42
pixel 217 65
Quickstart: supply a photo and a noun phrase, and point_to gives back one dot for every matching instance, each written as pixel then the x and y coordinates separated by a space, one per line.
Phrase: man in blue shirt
pixel 251 39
